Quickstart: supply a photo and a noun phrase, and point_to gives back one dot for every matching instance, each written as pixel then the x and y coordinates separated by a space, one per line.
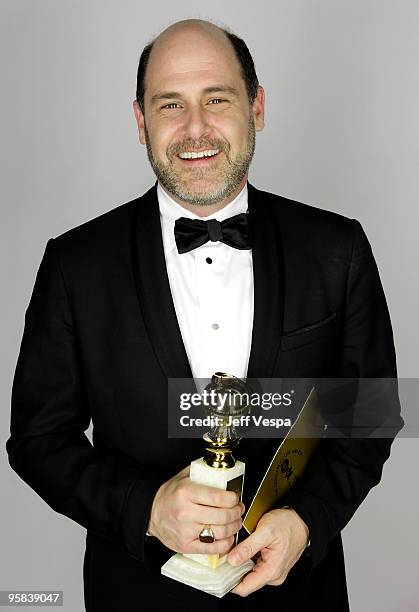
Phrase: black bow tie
pixel 193 233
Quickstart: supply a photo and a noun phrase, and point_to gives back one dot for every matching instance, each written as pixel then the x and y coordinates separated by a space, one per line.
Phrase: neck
pixel 205 211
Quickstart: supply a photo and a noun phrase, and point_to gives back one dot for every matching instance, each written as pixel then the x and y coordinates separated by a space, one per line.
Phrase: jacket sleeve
pixel 102 490
pixel 343 470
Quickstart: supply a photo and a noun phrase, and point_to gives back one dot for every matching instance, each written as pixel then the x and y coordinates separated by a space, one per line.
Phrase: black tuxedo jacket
pixel 101 339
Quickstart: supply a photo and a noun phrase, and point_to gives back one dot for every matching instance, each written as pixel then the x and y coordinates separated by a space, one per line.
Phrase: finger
pixel 219 547
pixel 182 475
pixel 211 496
pixel 222 531
pixel 207 515
pixel 249 547
pixel 254 580
pixel 279 580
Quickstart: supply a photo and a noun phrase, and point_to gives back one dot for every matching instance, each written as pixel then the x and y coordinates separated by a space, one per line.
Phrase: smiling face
pixel 198 125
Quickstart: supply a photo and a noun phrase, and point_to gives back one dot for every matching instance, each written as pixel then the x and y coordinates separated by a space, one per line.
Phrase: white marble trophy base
pixel 210 573
pixel 221 478
pixel 218 581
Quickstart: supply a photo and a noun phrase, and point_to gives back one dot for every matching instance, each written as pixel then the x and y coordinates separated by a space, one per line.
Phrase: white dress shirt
pixel 212 291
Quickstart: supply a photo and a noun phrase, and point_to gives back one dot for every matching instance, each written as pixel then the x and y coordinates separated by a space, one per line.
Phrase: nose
pixel 196 122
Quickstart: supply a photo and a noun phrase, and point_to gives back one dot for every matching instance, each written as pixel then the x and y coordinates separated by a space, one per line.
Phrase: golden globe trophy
pixel 217 468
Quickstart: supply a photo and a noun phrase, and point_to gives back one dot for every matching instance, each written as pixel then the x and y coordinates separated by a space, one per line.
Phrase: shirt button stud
pixel 208 260
pixel 215 326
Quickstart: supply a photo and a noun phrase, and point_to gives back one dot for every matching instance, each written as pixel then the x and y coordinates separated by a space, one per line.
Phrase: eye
pixel 217 100
pixel 171 104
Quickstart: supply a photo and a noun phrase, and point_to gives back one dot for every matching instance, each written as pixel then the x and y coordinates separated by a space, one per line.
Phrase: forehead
pixel 192 61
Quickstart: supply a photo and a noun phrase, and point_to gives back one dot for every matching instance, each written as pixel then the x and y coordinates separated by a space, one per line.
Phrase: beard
pixel 224 180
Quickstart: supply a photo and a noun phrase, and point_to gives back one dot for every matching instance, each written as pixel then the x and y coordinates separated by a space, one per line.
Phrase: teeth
pixel 196 154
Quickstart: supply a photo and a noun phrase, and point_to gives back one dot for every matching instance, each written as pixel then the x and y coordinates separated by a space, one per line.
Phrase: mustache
pixel 187 145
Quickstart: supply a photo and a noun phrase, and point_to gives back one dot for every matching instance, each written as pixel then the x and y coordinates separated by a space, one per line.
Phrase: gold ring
pixel 206 535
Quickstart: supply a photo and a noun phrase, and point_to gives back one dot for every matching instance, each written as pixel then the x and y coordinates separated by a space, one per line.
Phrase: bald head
pixel 187 36
pixel 191 27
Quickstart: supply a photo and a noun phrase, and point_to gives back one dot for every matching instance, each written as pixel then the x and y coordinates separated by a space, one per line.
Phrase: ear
pixel 258 109
pixel 139 117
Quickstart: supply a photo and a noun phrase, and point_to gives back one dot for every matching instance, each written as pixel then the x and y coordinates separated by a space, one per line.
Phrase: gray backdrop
pixel 342 87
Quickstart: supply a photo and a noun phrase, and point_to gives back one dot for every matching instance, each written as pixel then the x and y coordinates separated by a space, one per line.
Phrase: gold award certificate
pixel 289 461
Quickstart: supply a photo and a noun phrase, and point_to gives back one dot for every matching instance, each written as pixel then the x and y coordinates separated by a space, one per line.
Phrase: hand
pixel 181 508
pixel 281 537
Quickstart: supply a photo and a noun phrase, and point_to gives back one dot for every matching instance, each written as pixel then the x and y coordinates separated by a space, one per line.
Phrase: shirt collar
pixel 171 210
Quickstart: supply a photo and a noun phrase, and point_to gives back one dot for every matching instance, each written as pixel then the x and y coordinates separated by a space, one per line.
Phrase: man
pixel 126 301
